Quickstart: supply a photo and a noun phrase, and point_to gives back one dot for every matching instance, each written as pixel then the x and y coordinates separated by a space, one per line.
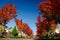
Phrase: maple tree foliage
pixel 27 30
pixel 18 23
pixel 41 27
pixel 50 9
pixel 7 12
pixel 23 27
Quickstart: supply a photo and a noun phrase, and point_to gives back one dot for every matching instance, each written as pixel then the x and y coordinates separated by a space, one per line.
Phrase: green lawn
pixel 10 39
pixel 14 39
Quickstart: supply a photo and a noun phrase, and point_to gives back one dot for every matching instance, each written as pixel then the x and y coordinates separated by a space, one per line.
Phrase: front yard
pixel 14 39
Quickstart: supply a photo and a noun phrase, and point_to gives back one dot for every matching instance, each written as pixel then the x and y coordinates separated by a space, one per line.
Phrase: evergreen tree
pixel 14 31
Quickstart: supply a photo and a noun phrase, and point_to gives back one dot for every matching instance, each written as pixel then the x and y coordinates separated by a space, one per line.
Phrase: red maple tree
pixel 7 12
pixel 18 24
pixel 41 27
pixel 23 27
pixel 50 9
pixel 27 30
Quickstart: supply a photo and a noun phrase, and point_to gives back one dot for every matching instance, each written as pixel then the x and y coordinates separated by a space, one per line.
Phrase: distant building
pixel 7 29
pixel 21 34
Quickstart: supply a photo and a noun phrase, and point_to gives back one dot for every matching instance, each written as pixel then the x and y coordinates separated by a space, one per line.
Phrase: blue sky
pixel 28 12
